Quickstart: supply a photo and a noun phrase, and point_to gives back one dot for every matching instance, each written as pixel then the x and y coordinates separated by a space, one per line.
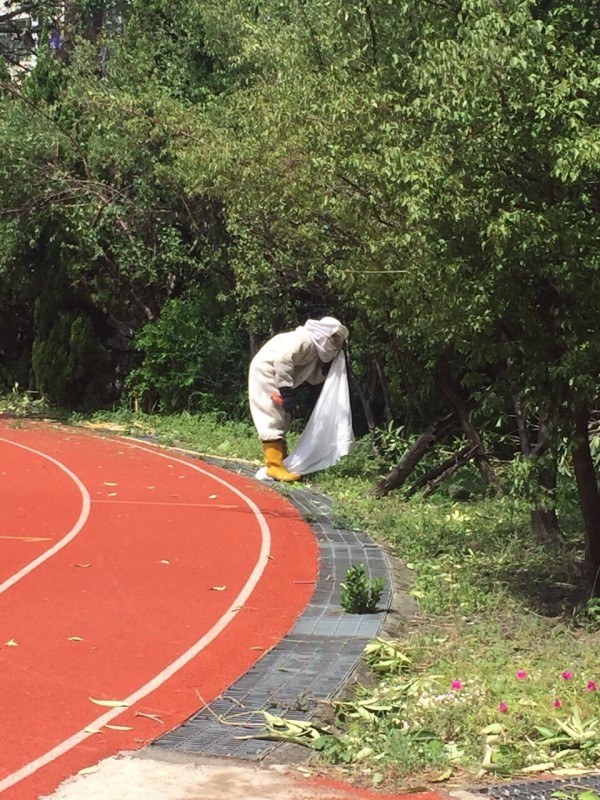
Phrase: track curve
pixel 178 577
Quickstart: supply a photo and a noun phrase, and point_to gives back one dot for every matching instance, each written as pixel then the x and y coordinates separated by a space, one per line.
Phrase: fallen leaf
pixel 108 483
pixel 150 487
pixel 92 730
pixel 11 643
pixel 218 588
pixel 75 639
pixel 446 775
pixel 111 494
pixel 525 701
pixel 546 766
pixel 88 770
pixel 164 561
pixel 119 727
pixel 109 703
pixel 257 648
pixel 29 538
pixel 84 566
pixel 109 426
pixel 212 496
pixel 571 771
pixel 154 717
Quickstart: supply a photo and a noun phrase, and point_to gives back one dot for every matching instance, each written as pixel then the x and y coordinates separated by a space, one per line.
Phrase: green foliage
pixel 359 594
pixel 70 364
pixel 19 403
pixel 191 360
pixel 207 434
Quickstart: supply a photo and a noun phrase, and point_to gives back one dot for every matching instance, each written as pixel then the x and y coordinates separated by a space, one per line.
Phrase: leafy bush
pixel 70 364
pixel 194 359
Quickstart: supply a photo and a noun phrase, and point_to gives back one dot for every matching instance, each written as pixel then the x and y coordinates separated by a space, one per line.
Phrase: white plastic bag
pixel 328 435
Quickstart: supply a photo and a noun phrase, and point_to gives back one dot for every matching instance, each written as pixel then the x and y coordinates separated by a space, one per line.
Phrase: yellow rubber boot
pixel 274 455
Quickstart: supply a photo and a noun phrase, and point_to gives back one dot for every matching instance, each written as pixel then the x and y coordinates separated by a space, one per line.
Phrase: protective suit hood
pixel 328 336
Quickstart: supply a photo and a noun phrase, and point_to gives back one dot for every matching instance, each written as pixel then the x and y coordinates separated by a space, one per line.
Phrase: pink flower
pixel 567 675
pixel 521 674
pixel 591 687
pixel 457 685
pixel 557 704
pixel 502 708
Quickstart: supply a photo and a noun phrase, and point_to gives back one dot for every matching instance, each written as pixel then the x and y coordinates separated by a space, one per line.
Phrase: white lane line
pixel 153 684
pixel 82 519
pixel 165 503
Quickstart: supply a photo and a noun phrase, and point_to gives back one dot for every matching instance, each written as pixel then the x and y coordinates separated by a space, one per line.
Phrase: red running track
pixel 130 574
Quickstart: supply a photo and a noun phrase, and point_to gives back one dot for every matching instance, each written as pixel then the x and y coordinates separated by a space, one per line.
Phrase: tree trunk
pixel 387 403
pixel 481 458
pixel 589 496
pixel 544 522
pixel 410 460
pixel 253 343
pixel 366 406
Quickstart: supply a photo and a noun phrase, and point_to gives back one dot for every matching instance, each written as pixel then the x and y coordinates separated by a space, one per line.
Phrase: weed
pixel 359 594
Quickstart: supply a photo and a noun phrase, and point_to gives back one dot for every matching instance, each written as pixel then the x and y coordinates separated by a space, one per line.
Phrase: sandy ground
pixel 172 776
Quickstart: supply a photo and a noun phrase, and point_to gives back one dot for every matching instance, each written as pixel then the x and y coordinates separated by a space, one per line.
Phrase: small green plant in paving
pixel 359 594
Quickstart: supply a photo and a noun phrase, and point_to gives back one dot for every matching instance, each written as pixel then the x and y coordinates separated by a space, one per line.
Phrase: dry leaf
pixel 111 494
pixel 85 566
pixel 11 643
pixel 569 772
pixel 29 538
pixel 154 717
pixel 212 496
pixel 164 561
pixel 108 483
pixel 257 648
pixel 119 727
pixel 92 730
pixel 88 770
pixel 75 639
pixel 218 588
pixel 110 703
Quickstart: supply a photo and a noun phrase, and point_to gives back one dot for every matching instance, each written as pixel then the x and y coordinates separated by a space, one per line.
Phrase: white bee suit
pixel 288 359
pixel 328 435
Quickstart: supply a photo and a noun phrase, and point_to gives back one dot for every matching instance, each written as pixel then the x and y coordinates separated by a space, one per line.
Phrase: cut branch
pixel 416 453
pixel 435 476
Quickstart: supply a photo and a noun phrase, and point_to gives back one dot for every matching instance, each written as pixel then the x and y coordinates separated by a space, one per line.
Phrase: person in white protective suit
pixel 285 362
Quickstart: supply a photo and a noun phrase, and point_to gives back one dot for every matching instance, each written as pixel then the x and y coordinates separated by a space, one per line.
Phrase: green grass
pixel 494 604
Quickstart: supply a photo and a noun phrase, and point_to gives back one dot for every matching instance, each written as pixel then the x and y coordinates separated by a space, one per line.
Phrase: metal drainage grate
pixel 540 790
pixel 313 661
